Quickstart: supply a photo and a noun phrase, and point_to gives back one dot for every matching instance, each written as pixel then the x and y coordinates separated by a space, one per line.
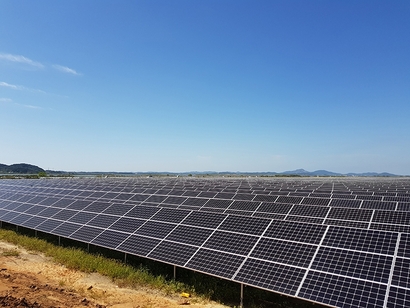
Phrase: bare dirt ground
pixel 34 281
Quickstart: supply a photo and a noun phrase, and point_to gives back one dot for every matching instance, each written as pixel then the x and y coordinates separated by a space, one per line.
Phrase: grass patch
pixel 10 253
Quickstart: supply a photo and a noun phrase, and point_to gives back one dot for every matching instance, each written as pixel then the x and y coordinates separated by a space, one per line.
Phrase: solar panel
pixel 35 209
pixel 217 263
pixel 316 201
pixel 345 203
pixel 253 226
pixel 18 207
pixel 174 200
pixel 82 217
pixel 244 205
pixel 278 208
pixel 266 198
pixel 378 205
pixel 103 221
pixel 309 210
pixel 206 220
pixel 126 224
pixel 33 222
pixel 195 201
pixel 400 218
pixel 118 209
pixel 351 214
pixel 298 232
pixel 271 276
pixel 141 211
pixel 354 264
pixel 66 229
pixel 290 253
pixel 110 239
pixel 63 203
pixel 19 219
pixel 240 244
pixel 398 297
pixel 138 245
pixel 245 197
pixel 48 225
pixel 189 235
pixel 361 240
pixel 218 203
pixel 289 199
pixel 155 229
pixel 342 291
pixel 170 215
pixel 174 253
pixel 86 233
pixel 343 242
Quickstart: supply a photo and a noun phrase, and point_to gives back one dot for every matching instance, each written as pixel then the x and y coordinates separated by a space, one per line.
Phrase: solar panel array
pixel 340 242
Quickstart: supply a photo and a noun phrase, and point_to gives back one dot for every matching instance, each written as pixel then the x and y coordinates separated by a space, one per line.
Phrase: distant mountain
pixel 297 172
pixel 20 169
pixel 31 169
pixel 324 173
pixel 371 174
pixel 303 172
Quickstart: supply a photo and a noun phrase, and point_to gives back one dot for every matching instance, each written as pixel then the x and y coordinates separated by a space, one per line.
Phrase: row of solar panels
pixel 210 201
pixel 283 187
pixel 251 190
pixel 179 197
pixel 359 217
pixel 334 265
pixel 353 217
pixel 242 202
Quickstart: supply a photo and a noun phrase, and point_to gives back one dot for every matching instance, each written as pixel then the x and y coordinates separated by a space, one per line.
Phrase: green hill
pixel 20 169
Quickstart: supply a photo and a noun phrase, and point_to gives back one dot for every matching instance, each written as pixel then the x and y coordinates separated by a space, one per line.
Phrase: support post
pixel 241 303
pixel 88 247
pixel 17 228
pixel 59 241
pixel 175 272
pixel 125 258
pixel 35 233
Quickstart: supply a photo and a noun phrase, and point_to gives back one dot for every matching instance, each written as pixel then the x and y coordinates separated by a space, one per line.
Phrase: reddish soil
pixel 34 281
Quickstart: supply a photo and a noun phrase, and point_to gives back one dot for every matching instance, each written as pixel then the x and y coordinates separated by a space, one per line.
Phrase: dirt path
pixel 32 280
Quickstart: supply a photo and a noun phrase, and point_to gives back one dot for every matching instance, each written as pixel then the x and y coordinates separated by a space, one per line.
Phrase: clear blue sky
pixel 206 85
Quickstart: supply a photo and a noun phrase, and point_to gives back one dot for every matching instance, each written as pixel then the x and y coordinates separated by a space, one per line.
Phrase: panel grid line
pixel 311 261
pixel 392 271
pixel 250 252
pixel 371 219
pixel 290 210
pixel 205 241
